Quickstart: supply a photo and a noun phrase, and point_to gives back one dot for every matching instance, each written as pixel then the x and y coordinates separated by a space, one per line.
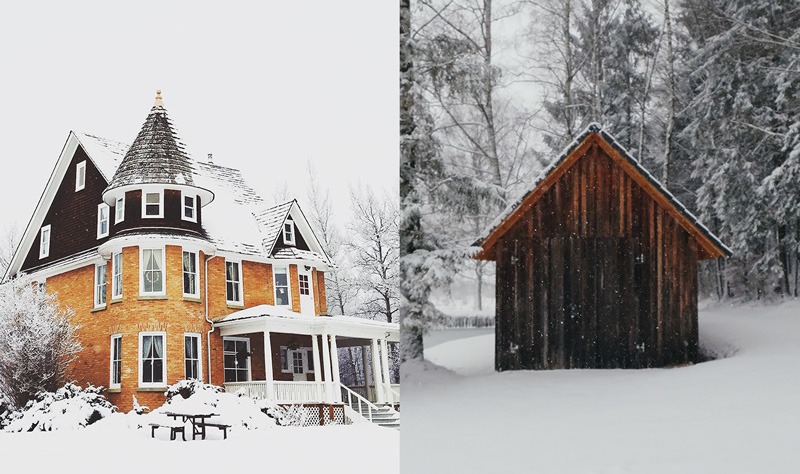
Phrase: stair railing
pixel 361 402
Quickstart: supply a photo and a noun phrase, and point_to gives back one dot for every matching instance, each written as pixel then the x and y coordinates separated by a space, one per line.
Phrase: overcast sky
pixel 264 87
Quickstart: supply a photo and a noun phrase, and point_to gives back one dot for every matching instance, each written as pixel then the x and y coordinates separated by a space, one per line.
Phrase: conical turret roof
pixel 156 156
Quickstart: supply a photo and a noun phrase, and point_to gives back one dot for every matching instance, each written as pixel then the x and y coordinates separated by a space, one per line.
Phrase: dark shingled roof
pixel 156 156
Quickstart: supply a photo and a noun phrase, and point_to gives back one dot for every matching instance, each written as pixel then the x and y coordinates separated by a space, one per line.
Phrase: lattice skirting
pixel 319 414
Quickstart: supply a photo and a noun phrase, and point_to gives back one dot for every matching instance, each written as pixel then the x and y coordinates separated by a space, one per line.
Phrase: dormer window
pixel 189 208
pixel 80 176
pixel 288 232
pixel 44 242
pixel 153 205
pixel 119 210
pixel 102 220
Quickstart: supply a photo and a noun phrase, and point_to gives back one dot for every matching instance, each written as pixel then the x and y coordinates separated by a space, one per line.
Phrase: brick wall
pixel 172 314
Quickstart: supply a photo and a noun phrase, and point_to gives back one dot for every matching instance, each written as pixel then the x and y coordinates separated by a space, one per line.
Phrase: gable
pixel 596 162
pixel 71 215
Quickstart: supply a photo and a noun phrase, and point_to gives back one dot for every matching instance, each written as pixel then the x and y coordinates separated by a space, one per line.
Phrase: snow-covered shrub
pixel 187 388
pixel 292 415
pixel 69 408
pixel 5 411
pixel 138 409
pixel 37 341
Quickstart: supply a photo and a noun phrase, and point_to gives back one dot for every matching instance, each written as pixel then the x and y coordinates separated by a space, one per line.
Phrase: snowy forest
pixel 703 92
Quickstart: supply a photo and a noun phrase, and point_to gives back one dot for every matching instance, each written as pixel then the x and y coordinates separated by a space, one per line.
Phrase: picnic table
pixel 198 420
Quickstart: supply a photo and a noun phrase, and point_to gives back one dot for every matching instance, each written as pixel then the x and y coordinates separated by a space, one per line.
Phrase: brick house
pixel 177 269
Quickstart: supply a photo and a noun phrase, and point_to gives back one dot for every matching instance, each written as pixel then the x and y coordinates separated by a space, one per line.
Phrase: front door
pixel 306 290
pixel 298 367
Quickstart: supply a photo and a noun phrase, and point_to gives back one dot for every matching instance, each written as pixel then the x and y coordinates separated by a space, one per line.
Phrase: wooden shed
pixel 596 266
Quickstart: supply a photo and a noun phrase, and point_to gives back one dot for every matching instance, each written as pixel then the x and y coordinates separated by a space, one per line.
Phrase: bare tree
pixel 9 241
pixel 375 250
pixel 37 341
pixel 338 284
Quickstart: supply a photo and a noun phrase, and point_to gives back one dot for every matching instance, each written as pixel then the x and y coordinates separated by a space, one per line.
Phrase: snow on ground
pixel 738 414
pixel 110 444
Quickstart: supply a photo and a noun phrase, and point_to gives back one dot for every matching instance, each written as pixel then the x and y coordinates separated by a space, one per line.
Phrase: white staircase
pixel 361 410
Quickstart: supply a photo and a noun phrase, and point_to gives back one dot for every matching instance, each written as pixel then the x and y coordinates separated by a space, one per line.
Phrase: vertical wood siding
pixel 596 275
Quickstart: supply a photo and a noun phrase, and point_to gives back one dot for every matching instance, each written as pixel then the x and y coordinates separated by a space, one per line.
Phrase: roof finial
pixel 158 102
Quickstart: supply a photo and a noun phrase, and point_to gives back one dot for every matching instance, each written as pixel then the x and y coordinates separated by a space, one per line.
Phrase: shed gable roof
pixel 711 246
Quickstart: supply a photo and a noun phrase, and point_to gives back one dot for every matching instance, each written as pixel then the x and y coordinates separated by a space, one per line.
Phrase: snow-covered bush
pixel 69 408
pixel 138 409
pixel 5 411
pixel 37 341
pixel 187 388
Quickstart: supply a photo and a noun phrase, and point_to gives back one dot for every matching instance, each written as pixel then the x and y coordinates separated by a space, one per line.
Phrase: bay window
pixel 151 267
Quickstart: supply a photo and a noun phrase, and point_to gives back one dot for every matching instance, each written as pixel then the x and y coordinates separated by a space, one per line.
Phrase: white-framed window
pixel 151 272
pixel 236 355
pixel 153 204
pixel 115 377
pixel 189 205
pixel 305 289
pixel 233 282
pixel 190 286
pixel 44 242
pixel 80 176
pixel 119 210
pixel 102 220
pixel 297 361
pixel 100 285
pixel 288 232
pixel 191 355
pixel 116 276
pixel 152 359
pixel 283 295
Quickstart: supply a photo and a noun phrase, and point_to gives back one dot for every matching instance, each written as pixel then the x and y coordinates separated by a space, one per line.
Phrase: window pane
pixel 147 369
pixel 229 291
pixel 158 375
pixel 280 279
pixel 230 361
pixel 281 296
pixel 153 198
pixel 310 359
pixel 228 345
pixel 230 375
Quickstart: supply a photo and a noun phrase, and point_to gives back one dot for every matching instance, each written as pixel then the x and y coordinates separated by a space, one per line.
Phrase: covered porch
pixel 273 353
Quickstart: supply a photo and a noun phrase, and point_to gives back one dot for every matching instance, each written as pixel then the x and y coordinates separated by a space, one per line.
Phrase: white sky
pixel 264 86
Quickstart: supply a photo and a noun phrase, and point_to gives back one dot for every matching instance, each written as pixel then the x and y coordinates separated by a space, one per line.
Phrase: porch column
pixel 317 366
pixel 387 380
pixel 326 357
pixel 337 392
pixel 376 374
pixel 268 373
pixel 365 368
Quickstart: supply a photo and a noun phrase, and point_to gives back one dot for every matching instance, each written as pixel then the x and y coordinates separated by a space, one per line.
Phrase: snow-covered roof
pixel 237 221
pixel 271 222
pixel 156 155
pixel 596 128
pixel 105 154
pixel 266 311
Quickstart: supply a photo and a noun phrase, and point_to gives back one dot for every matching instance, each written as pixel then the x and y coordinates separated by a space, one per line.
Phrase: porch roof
pixel 281 319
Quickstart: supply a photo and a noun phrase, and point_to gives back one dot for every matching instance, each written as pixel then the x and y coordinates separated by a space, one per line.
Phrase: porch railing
pixel 359 404
pixel 282 392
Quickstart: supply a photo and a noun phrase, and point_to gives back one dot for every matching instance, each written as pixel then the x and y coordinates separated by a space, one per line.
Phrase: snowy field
pixel 109 445
pixel 737 414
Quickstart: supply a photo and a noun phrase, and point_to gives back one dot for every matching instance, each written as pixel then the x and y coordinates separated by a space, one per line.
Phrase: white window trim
pixel 240 302
pixel 80 168
pixel 163 271
pixel 160 193
pixel 119 207
pixel 293 240
pixel 249 363
pixel 42 252
pixel 199 354
pixel 196 293
pixel 96 286
pixel 141 362
pixel 100 207
pixel 275 286
pixel 114 295
pixel 111 383
pixel 183 207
